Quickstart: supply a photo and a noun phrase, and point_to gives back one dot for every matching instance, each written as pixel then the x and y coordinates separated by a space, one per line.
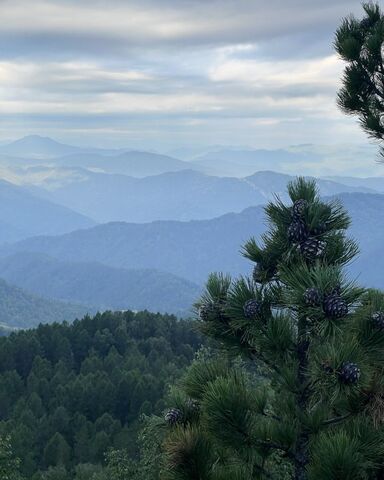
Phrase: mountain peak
pixel 37 146
pixel 35 139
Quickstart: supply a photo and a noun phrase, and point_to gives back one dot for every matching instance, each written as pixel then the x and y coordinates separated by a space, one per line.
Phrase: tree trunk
pixel 301 454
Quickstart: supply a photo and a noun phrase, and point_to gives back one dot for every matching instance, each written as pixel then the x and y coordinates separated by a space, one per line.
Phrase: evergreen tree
pixel 57 452
pixel 310 401
pixel 9 465
pixel 360 44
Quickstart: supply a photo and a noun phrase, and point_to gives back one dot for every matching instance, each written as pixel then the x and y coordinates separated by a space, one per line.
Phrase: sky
pixel 164 74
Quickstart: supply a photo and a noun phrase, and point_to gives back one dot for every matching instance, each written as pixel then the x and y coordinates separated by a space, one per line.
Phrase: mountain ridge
pixel 193 249
pixel 22 309
pixel 104 287
pixel 27 215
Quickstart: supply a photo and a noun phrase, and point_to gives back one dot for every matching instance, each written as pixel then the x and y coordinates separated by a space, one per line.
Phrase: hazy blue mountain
pixel 368 229
pixel 21 309
pixel 103 287
pixel 271 183
pixel 36 146
pixel 132 163
pixel 23 215
pixel 183 195
pixel 375 183
pixel 36 150
pixel 242 162
pixel 43 148
pixel 193 249
pixel 188 249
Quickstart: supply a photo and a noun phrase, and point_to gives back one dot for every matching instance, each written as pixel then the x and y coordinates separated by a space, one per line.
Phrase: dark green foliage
pixel 68 393
pixel 9 464
pixel 360 44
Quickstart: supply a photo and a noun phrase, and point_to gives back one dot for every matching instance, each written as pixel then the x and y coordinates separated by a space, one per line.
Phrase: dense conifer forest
pixel 68 393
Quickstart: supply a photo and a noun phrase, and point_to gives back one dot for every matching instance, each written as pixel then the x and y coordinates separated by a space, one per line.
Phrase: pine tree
pixel 309 403
pixel 360 44
pixel 9 465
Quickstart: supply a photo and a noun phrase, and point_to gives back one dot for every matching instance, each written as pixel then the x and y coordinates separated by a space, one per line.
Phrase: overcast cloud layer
pixel 164 73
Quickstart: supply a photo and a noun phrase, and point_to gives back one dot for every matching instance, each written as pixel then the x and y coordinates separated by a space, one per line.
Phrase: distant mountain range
pixel 374 183
pixel 165 222
pixel 103 287
pixel 182 195
pixel 134 163
pixel 19 309
pixel 38 147
pixel 23 214
pixel 240 162
pixel 192 250
pixel 34 150
pixel 214 160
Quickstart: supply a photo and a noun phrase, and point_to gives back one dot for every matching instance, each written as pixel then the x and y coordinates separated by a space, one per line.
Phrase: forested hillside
pixel 192 250
pixel 21 309
pixel 101 286
pixel 69 392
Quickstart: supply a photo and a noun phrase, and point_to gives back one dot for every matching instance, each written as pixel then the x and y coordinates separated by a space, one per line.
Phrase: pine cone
pixel 257 273
pixel 252 308
pixel 335 306
pixel 349 373
pixel 312 296
pixel 211 311
pixel 378 320
pixel 297 231
pixel 173 416
pixel 299 207
pixel 312 248
pixel 206 311
pixel 192 404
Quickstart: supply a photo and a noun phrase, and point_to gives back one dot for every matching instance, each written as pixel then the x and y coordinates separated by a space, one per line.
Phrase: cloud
pixel 165 72
pixel 69 27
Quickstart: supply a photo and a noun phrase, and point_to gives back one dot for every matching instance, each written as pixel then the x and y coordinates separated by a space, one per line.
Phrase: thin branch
pixel 272 417
pixel 334 420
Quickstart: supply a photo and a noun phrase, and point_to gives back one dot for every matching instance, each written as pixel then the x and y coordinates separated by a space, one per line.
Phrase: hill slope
pixel 19 309
pixel 35 146
pixel 103 287
pixel 23 215
pixel 194 249
pixel 183 195
pixel 132 163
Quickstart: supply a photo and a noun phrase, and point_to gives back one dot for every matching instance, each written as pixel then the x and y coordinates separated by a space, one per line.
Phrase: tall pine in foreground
pixel 308 401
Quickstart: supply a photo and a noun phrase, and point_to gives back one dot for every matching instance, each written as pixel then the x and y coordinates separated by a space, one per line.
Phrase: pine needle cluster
pixel 360 44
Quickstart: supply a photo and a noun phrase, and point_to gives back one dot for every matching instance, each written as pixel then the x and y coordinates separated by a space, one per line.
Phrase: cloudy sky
pixel 161 74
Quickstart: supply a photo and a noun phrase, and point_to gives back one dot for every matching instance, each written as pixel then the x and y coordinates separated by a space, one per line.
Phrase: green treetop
pixel 308 405
pixel 9 465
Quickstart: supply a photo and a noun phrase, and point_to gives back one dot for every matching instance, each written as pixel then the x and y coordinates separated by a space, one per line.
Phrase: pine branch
pixel 334 420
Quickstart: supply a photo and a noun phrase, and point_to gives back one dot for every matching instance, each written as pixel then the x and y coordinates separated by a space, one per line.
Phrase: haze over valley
pixel 99 229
